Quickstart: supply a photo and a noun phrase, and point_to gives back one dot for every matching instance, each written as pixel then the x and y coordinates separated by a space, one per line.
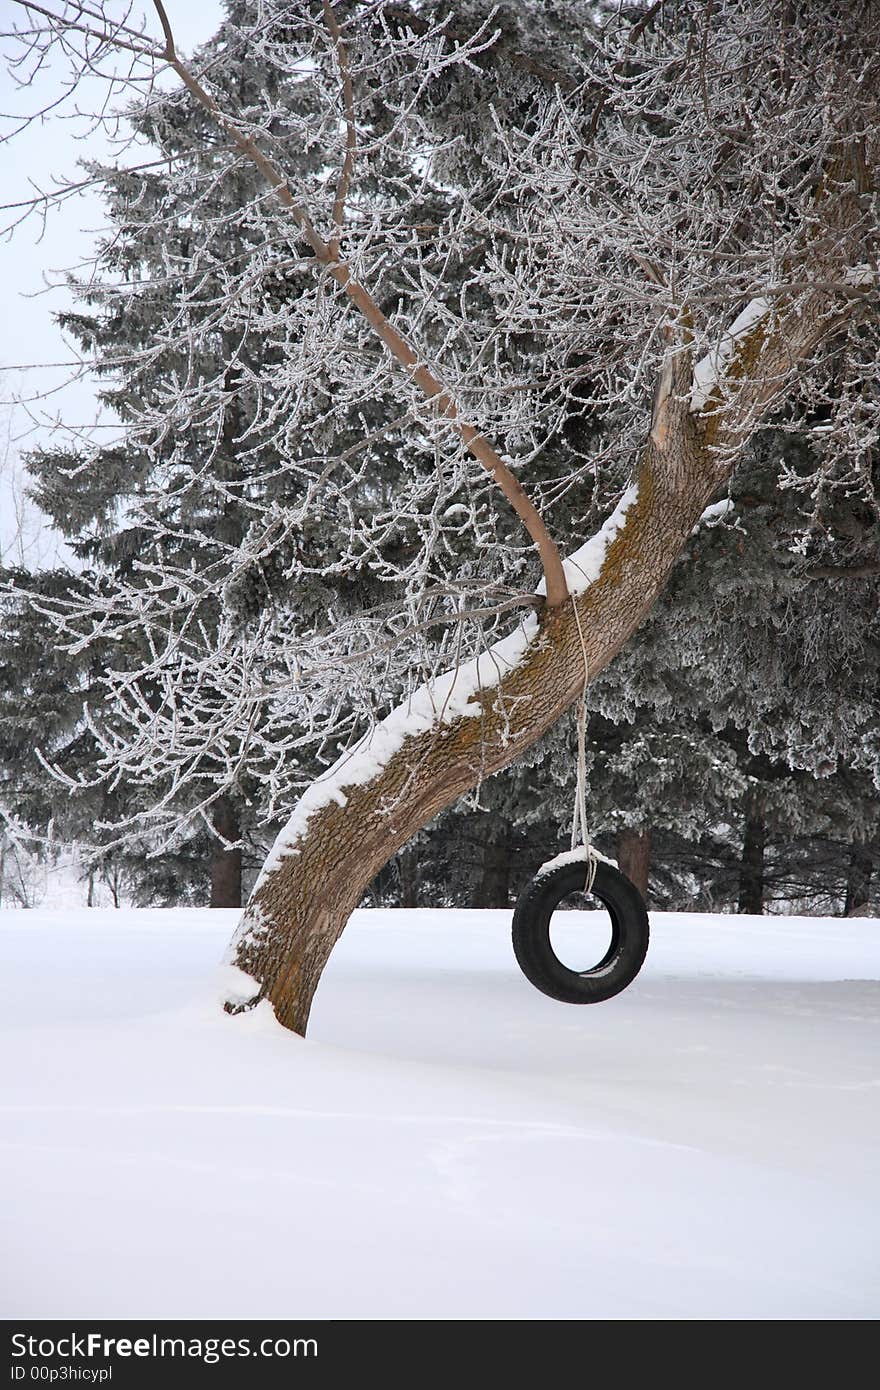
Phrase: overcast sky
pixel 36 257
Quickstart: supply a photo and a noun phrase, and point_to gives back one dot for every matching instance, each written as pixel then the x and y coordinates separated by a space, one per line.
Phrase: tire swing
pixel 534 952
pixel 580 871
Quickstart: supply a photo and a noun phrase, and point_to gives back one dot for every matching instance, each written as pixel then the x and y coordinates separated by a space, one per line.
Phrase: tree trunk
pixel 317 873
pixel 858 880
pixel 492 888
pixel 225 863
pixel 408 870
pixel 634 857
pixel 337 840
pixel 751 874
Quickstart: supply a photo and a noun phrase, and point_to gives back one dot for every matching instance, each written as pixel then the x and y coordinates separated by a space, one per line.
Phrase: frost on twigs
pixel 288 539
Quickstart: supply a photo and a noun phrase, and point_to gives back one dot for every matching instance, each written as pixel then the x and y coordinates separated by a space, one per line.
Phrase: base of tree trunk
pixel 858 880
pixel 751 874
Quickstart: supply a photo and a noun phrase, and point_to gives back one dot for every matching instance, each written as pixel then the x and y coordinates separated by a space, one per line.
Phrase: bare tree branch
pixel 350 132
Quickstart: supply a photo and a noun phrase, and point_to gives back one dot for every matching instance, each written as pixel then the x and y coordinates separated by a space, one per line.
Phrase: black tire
pixel 629 934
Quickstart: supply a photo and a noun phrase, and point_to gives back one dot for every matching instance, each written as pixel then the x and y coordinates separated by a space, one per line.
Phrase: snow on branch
pixel 453 695
pixel 709 372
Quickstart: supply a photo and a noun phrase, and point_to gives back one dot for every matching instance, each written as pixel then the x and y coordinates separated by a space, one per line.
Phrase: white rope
pixel 579 814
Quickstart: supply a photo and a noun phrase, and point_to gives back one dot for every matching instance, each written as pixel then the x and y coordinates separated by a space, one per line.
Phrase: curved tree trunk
pixel 333 848
pixel 301 905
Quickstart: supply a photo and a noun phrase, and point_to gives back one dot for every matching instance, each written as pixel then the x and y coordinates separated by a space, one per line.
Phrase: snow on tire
pixel 534 951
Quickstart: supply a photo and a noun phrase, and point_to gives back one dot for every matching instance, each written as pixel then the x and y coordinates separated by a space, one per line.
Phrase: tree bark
pixel 858 880
pixel 751 874
pixel 492 888
pixel 634 857
pixel 225 863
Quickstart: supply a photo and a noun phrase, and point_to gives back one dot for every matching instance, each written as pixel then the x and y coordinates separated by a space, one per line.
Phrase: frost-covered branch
pixel 347 169
pixel 556 211
pixel 327 253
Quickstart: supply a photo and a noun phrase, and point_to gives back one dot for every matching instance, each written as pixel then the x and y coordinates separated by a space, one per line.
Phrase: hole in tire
pixel 580 932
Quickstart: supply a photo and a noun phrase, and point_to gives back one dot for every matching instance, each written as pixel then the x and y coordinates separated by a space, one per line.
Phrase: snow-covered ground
pixel 448 1143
